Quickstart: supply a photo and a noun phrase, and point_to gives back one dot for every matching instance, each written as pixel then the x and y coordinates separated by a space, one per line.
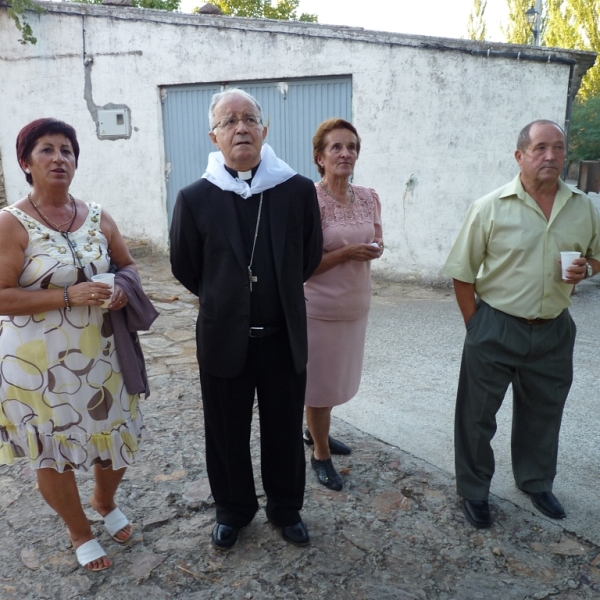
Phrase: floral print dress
pixel 63 400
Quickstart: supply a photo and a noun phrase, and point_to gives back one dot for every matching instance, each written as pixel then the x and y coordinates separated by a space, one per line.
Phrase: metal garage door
pixel 293 109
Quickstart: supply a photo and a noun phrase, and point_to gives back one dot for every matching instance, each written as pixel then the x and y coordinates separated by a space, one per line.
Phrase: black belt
pixel 534 321
pixel 260 332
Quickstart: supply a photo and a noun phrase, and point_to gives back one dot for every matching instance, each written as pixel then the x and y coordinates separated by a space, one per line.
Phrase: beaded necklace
pixel 349 193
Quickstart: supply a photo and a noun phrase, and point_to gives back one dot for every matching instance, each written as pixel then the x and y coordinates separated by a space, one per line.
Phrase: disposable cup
pixel 106 278
pixel 566 260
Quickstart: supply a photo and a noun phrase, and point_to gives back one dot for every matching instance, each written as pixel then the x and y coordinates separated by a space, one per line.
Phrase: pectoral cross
pixel 252 278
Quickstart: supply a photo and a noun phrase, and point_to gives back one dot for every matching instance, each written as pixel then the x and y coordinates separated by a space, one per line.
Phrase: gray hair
pixel 524 138
pixel 230 92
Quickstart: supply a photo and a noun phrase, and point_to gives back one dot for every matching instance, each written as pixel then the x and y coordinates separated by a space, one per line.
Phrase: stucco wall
pixel 438 124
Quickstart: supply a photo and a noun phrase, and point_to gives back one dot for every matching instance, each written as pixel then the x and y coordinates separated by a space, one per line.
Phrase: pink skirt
pixel 336 350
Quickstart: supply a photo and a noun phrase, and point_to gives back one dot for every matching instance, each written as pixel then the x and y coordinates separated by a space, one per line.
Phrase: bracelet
pixel 66 296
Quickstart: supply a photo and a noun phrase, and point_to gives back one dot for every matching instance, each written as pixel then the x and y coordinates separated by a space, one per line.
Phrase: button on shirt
pixel 511 252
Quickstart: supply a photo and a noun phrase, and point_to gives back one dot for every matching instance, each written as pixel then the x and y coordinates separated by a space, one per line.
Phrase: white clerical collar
pixel 245 175
pixel 271 172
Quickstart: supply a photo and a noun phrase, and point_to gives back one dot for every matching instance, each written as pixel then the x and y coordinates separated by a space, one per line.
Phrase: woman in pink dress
pixel 339 293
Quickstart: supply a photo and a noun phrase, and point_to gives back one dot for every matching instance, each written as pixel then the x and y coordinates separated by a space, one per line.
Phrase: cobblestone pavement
pixel 394 532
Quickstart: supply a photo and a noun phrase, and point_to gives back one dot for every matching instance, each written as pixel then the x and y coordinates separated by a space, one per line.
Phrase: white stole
pixel 271 172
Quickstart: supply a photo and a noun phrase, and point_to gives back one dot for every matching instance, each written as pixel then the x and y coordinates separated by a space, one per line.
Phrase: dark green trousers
pixel 538 360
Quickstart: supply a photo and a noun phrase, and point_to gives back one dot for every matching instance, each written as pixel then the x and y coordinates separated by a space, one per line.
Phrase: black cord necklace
pixel 72 245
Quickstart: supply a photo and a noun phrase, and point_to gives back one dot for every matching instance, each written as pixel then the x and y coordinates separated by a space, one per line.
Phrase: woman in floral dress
pixel 64 405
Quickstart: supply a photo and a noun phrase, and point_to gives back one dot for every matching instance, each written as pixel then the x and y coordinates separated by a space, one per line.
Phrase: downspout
pixel 570 101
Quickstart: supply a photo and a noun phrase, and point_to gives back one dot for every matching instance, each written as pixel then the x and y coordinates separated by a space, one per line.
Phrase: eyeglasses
pixel 229 123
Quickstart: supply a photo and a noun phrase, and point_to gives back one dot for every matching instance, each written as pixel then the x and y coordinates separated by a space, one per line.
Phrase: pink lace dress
pixel 338 301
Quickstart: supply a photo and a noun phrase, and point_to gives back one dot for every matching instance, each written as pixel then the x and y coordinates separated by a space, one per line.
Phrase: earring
pixel 27 171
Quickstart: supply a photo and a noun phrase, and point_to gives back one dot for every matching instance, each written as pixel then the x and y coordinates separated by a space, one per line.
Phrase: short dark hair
pixel 524 138
pixel 320 138
pixel 31 133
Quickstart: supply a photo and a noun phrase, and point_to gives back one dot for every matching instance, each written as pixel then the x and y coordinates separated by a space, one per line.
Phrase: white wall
pixel 438 127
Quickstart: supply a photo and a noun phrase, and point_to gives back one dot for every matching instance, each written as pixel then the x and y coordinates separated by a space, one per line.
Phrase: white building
pixel 438 117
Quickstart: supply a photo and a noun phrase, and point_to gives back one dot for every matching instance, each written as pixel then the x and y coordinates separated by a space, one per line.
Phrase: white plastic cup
pixel 566 260
pixel 106 278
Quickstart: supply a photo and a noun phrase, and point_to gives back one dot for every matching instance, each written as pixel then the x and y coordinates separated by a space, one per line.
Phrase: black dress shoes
pixel 326 473
pixel 296 534
pixel 477 513
pixel 224 537
pixel 547 504
pixel 335 446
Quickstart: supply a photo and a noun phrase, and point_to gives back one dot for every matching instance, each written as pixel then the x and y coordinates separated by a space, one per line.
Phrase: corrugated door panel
pixel 311 102
pixel 187 143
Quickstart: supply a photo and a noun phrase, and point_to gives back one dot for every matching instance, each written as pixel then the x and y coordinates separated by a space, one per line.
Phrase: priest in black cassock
pixel 244 238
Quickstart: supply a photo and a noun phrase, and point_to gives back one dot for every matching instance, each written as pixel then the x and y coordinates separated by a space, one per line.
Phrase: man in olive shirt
pixel 506 270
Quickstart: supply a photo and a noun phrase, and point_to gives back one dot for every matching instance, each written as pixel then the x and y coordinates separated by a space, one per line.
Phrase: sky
pixel 441 18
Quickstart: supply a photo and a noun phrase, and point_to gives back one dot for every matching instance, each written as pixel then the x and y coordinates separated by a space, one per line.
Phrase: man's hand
pixel 465 297
pixel 577 271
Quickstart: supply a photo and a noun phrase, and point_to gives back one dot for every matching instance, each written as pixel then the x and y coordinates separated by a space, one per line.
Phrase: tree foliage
pixel 16 11
pixel 284 10
pixel 584 143
pixel 518 31
pixel 476 27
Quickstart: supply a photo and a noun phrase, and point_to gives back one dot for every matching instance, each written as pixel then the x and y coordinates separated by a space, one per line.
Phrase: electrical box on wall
pixel 113 123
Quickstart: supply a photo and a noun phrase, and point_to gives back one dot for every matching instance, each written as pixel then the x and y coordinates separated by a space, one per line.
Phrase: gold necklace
pixel 56 226
pixel 349 193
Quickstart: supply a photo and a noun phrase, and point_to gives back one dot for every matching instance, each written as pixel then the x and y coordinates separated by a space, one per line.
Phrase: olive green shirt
pixel 511 252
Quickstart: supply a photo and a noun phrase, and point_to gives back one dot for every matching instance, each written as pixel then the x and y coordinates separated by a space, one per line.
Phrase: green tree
pixel 518 31
pixel 584 141
pixel 561 28
pixel 284 10
pixel 476 27
pixel 16 11
pixel 586 15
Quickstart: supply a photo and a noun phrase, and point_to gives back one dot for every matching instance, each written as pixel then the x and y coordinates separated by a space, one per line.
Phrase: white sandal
pixel 114 521
pixel 88 553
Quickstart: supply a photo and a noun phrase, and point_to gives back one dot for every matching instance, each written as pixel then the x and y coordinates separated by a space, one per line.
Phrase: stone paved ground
pixel 395 532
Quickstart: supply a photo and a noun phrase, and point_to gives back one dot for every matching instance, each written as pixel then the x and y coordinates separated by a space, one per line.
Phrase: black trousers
pixel 227 405
pixel 538 360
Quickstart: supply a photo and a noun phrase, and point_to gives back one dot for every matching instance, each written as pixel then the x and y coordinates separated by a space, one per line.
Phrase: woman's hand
pixel 88 293
pixel 119 299
pixel 362 252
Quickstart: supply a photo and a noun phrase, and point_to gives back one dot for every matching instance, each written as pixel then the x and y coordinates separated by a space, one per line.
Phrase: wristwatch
pixel 589 272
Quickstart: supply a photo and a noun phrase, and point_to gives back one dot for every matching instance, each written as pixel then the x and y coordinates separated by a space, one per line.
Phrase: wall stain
pixel 411 184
